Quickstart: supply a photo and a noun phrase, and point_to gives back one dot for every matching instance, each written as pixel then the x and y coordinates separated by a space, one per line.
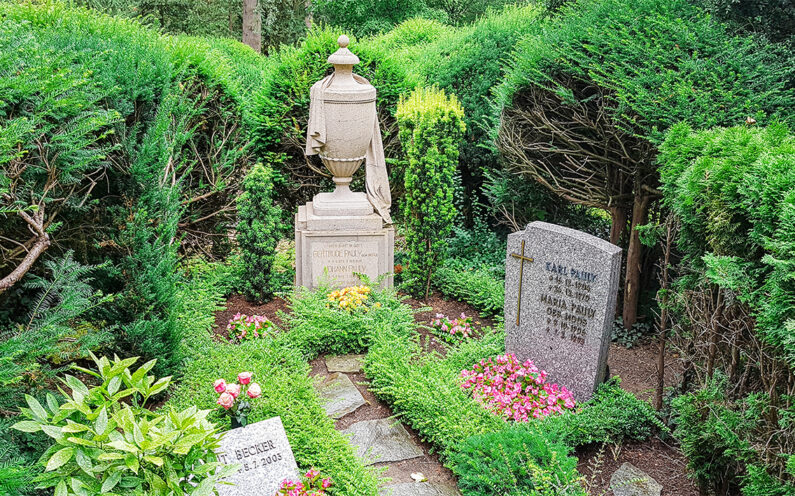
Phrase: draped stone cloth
pixel 376 178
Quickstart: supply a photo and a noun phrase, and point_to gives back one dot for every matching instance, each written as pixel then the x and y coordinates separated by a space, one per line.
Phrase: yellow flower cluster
pixel 349 298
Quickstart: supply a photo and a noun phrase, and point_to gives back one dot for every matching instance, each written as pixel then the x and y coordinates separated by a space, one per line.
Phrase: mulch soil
pixel 636 367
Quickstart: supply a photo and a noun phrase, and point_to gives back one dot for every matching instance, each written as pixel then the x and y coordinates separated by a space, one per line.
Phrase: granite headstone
pixel 264 455
pixel 560 298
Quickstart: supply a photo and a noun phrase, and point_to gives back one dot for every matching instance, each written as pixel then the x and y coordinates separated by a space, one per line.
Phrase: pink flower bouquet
pixel 516 391
pixel 452 330
pixel 313 485
pixel 233 397
pixel 244 327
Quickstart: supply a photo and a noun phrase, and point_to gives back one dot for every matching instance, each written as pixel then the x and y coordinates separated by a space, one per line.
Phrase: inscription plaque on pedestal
pixel 332 250
pixel 341 260
pixel 264 455
pixel 560 297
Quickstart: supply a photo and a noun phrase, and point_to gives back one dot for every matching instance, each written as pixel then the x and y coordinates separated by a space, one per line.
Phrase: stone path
pixel 379 439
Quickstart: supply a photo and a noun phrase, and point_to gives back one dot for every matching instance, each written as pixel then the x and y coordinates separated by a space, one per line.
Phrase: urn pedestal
pixel 334 249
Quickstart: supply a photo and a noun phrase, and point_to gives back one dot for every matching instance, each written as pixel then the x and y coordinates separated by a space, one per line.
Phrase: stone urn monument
pixel 343 233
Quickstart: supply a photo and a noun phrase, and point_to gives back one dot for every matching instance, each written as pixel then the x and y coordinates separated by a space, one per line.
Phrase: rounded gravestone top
pixel 343 56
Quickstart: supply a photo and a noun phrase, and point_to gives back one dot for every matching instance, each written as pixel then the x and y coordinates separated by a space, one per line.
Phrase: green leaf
pixel 101 422
pixel 38 411
pixel 132 462
pixel 156 460
pixel 114 385
pixel 110 455
pixel 27 426
pixel 72 427
pixel 83 461
pixel 60 489
pixel 59 459
pixel 111 481
pixel 79 390
pixel 52 403
pixel 53 431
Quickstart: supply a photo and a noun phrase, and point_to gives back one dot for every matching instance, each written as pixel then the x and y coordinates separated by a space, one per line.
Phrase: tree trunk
pixel 618 223
pixel 252 25
pixel 658 397
pixel 632 283
pixel 308 17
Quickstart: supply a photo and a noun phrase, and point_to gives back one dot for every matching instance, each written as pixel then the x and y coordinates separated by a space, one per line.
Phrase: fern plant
pixel 54 331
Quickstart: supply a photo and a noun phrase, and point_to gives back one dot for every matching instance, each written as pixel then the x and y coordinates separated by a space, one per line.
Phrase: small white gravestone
pixel 264 455
pixel 560 298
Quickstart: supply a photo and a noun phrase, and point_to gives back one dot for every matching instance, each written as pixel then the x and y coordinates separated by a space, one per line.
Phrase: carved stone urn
pixel 349 114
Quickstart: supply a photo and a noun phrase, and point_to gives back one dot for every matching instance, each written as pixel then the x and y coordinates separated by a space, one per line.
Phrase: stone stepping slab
pixel 350 364
pixel 340 396
pixel 418 489
pixel 382 440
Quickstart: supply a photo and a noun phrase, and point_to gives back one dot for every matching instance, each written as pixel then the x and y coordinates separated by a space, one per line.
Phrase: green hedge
pixel 733 192
pixel 658 62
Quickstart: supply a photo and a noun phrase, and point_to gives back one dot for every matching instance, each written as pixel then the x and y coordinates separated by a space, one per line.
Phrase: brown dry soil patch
pixel 636 367
pixel 663 462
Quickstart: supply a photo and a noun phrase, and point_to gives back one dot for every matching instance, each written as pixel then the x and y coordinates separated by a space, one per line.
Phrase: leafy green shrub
pixel 711 438
pixel 612 415
pixel 774 18
pixel 258 232
pixel 102 443
pixel 480 287
pixel 712 77
pixel 733 191
pixel 314 327
pixel 520 459
pixel 431 125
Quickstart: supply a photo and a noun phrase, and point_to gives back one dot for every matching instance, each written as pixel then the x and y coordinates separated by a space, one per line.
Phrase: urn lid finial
pixel 343 56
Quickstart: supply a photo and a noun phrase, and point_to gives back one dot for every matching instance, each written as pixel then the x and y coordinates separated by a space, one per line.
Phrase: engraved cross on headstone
pixel 522 260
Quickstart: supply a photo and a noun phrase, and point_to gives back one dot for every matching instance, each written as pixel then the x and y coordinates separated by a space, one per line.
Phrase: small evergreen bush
pixel 520 459
pixel 431 126
pixel 258 232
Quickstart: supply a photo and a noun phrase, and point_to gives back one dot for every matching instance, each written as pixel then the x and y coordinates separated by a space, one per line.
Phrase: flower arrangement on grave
pixel 313 485
pixel 233 397
pixel 452 330
pixel 514 390
pixel 244 327
pixel 350 299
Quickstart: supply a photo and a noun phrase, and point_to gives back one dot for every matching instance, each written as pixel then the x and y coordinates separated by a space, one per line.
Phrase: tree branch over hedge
pixel 41 242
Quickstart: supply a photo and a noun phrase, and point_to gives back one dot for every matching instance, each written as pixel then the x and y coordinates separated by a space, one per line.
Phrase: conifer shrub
pixel 733 193
pixel 431 127
pixel 258 232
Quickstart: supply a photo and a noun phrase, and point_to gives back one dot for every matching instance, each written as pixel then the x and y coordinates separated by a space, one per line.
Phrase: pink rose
pixel 226 400
pixel 254 391
pixel 220 386
pixel 244 377
pixel 233 389
pixel 326 483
